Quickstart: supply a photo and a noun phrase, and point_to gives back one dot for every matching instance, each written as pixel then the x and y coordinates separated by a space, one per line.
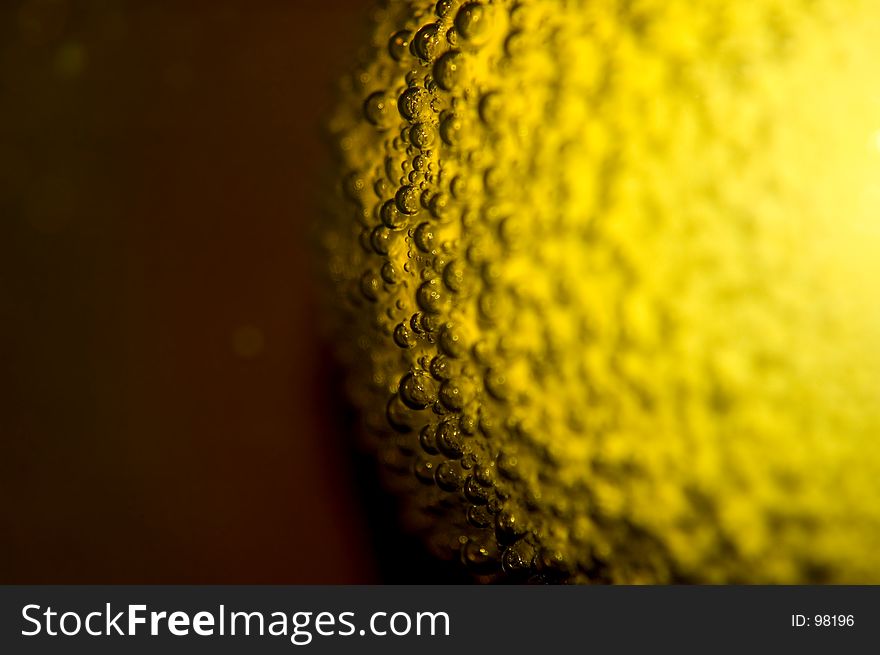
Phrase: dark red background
pixel 164 415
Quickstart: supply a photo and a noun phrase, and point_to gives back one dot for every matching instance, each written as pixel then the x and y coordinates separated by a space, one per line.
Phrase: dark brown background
pixel 164 412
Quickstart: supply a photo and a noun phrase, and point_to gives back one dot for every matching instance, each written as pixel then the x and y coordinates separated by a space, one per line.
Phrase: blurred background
pixel 166 414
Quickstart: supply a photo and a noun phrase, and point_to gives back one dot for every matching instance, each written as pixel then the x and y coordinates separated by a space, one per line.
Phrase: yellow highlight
pixel 607 284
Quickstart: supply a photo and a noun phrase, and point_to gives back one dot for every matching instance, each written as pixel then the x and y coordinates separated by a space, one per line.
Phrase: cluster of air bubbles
pixel 448 402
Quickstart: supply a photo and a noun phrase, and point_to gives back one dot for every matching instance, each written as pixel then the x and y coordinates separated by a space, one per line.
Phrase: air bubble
pixel 370 286
pixel 418 390
pixel 421 135
pixel 480 559
pixel 389 273
pixel 415 322
pixel 517 559
pixel 456 393
pixel 398 44
pixel 380 239
pixel 391 168
pixel 425 198
pixel 448 70
pixel 493 179
pixel 429 296
pixel 450 129
pixel 511 231
pixel 404 337
pixel 449 439
pixel 381 188
pixel 407 200
pixel 428 439
pixel 491 273
pixel 459 187
pixel 508 466
pixel 489 426
pixel 452 341
pixel 420 163
pixel 412 103
pixel 508 526
pixel 439 205
pixel 482 352
pixel 453 275
pixel 475 492
pixel 424 470
pixel 443 6
pixel 472 21
pixel 425 42
pixel 424 238
pixel 354 186
pixel 398 415
pixel 448 476
pixel 497 385
pixel 429 323
pixel 441 368
pixel 391 217
pixel 484 475
pixel 479 516
pixel 376 109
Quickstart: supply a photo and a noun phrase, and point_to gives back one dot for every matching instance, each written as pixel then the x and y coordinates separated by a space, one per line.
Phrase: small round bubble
pixel 518 558
pixel 428 439
pixel 424 470
pixel 403 336
pixel 443 7
pixel 392 217
pixel 353 186
pixel 439 205
pixel 484 475
pixel 480 558
pixel 496 384
pixel 381 187
pixel 376 109
pixel 417 390
pixel 421 135
pixel 448 476
pixel 454 394
pixel 449 439
pixel 398 44
pixel 448 70
pixel 429 296
pixel 472 21
pixel 480 516
pixel 441 368
pixel 407 200
pixel 508 466
pixel 453 275
pixel 370 286
pixel 452 341
pixel 425 42
pixel 398 415
pixel 380 239
pixel 412 103
pixel 389 273
pixel 475 492
pixel 508 526
pixel 450 129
